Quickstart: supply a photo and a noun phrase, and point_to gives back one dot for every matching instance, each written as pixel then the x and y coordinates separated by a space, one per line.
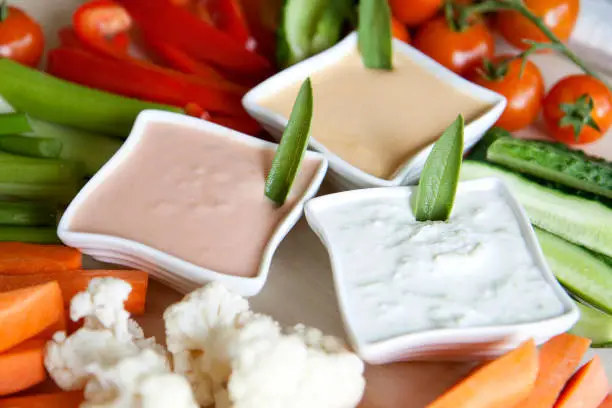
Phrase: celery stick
pixel 92 149
pixel 33 147
pixel 48 98
pixel 27 213
pixel 59 193
pixel 34 235
pixel 21 169
pixel 13 123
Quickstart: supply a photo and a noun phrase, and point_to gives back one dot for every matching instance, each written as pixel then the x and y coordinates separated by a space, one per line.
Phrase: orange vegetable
pixel 399 30
pixel 74 282
pixel 587 388
pixel 60 325
pixel 55 400
pixel 559 358
pixel 17 258
pixel 26 312
pixel 607 403
pixel 22 367
pixel 501 383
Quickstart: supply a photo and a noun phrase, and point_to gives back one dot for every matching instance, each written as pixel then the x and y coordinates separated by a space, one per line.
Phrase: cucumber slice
pixel 584 222
pixel 578 270
pixel 329 27
pixel 595 325
pixel 299 20
pixel 554 162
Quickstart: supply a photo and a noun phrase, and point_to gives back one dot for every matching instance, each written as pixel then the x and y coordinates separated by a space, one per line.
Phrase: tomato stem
pixel 4 11
pixel 578 115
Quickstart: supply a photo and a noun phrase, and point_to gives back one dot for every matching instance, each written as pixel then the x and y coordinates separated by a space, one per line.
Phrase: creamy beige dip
pixel 199 197
pixel 376 120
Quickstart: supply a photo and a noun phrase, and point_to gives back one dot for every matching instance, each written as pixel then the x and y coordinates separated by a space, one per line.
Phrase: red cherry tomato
pixel 414 12
pixel 575 107
pixel 458 51
pixel 558 15
pixel 21 38
pixel 524 93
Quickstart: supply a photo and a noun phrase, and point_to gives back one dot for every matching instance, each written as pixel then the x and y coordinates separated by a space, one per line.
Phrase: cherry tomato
pixel 414 12
pixel 524 93
pixel 399 31
pixel 558 15
pixel 575 107
pixel 458 51
pixel 21 38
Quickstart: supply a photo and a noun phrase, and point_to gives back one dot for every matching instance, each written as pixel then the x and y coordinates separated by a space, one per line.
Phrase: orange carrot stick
pixel 587 388
pixel 17 258
pixel 26 312
pixel 607 403
pixel 501 383
pixel 22 367
pixel 60 325
pixel 55 400
pixel 559 358
pixel 74 282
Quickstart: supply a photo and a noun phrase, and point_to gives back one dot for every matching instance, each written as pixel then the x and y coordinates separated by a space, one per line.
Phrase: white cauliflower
pixel 108 335
pixel 235 358
pixel 142 380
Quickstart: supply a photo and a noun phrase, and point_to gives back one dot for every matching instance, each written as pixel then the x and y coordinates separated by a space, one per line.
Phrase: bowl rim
pixel 246 286
pixel 412 167
pixel 391 349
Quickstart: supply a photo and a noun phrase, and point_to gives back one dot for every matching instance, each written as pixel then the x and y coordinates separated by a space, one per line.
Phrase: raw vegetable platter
pixel 300 287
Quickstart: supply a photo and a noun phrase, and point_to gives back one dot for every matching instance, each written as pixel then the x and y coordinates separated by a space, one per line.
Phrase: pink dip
pixel 199 197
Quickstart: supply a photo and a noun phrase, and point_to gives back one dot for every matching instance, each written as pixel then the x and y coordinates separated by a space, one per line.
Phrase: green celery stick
pixel 45 148
pixel 21 169
pixel 33 235
pixel 27 214
pixel 57 193
pixel 52 99
pixel 13 123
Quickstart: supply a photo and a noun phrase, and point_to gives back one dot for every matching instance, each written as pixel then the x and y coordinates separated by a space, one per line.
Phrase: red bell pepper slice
pixel 243 124
pixel 102 25
pixel 228 16
pixel 129 78
pixel 195 37
pixel 68 38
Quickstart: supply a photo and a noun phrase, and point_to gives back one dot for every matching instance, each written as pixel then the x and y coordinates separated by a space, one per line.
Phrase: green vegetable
pixel 579 271
pixel 48 98
pixel 479 152
pixel 375 38
pixel 438 184
pixel 61 193
pixel 27 213
pixel 33 235
pixel 329 27
pixel 91 149
pixel 21 169
pixel 579 220
pixel 299 21
pixel 27 146
pixel 292 147
pixel 554 162
pixel 13 123
pixel 595 325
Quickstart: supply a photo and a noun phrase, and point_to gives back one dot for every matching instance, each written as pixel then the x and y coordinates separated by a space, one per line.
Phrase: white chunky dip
pixel 400 276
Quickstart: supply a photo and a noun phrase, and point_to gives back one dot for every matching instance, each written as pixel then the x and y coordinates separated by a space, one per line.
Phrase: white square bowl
pixel 343 174
pixel 179 273
pixel 447 343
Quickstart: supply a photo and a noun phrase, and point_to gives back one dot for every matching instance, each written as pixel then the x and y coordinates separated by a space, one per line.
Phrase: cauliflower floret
pixel 189 327
pixel 143 380
pixel 108 335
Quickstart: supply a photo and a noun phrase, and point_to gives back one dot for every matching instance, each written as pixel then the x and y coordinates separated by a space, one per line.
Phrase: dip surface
pixel 402 276
pixel 377 120
pixel 197 196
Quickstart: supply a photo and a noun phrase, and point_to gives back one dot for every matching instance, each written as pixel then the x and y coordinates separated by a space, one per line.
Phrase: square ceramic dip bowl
pixel 375 127
pixel 183 199
pixel 476 285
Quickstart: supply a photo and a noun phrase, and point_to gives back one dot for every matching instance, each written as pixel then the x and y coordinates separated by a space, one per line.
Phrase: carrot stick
pixel 587 388
pixel 501 383
pixel 26 312
pixel 74 282
pixel 607 403
pixel 60 325
pixel 22 367
pixel 70 399
pixel 17 258
pixel 559 358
